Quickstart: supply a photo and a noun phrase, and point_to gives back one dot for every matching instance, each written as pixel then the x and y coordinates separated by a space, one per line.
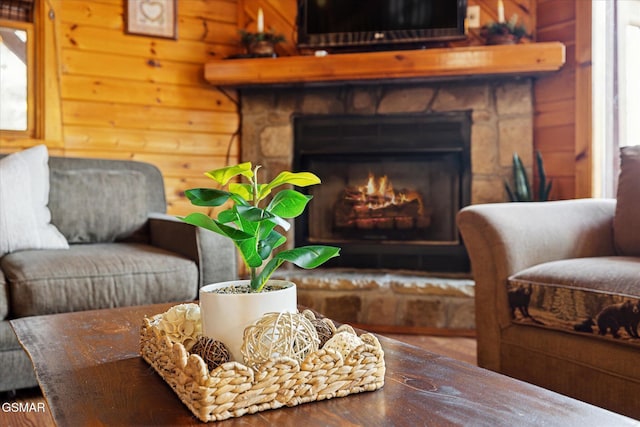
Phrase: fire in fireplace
pixel 376 205
pixel 392 185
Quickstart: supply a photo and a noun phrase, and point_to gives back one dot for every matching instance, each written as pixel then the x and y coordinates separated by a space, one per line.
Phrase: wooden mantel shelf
pixel 522 60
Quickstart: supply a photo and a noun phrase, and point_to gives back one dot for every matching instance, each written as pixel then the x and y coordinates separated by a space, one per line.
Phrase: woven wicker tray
pixel 233 389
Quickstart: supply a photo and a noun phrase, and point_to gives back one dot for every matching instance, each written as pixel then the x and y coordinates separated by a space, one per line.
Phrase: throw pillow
pixel 98 205
pixel 24 194
pixel 626 222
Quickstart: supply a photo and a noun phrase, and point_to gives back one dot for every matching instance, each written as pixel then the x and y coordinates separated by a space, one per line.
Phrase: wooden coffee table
pixel 90 373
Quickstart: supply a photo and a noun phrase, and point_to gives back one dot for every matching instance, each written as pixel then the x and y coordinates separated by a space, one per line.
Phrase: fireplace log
pixel 360 214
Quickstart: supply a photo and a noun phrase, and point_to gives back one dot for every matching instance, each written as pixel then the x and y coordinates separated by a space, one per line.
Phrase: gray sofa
pixel 123 250
pixel 558 291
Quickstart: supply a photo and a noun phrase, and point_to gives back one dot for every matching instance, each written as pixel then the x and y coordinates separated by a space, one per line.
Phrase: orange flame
pixel 379 193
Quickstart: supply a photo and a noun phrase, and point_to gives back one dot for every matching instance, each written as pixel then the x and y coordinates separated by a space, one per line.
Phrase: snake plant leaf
pixel 224 175
pixel 288 203
pixel 207 196
pixel 299 179
pixel 512 197
pixel 521 181
pixel 544 187
pixel 547 191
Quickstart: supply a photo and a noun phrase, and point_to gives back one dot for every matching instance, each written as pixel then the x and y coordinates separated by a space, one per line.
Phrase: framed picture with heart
pixel 154 18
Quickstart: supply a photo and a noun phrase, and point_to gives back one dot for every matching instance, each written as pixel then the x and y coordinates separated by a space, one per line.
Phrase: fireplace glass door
pixel 391 187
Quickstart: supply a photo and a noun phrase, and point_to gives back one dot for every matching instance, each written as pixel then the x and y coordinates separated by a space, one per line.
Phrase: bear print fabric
pixel 580 300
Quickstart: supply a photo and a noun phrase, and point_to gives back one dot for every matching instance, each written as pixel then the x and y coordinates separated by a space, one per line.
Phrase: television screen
pixel 344 23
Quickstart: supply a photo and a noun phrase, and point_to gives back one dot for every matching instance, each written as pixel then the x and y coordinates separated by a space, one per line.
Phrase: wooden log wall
pixel 115 95
pixel 562 123
pixel 144 98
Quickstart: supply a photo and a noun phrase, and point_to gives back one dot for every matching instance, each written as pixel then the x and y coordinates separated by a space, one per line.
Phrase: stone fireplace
pixel 501 112
pixel 500 122
pixel 392 185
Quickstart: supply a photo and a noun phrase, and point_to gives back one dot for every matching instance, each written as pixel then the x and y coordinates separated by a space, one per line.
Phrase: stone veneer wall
pixel 502 123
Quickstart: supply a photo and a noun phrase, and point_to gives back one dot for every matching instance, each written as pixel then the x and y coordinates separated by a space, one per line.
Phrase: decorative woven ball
pixel 181 323
pixel 343 343
pixel 213 352
pixel 324 327
pixel 279 335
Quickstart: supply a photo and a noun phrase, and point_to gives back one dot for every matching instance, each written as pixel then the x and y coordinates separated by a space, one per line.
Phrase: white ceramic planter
pixel 225 316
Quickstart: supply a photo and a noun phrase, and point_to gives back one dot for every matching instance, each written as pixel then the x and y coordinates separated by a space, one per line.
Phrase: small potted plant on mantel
pixel 260 44
pixel 228 307
pixel 505 32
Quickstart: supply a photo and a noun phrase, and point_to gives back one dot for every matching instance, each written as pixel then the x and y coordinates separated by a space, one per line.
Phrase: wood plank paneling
pixel 136 140
pixel 145 69
pixel 144 93
pixel 553 114
pixel 563 32
pixel 554 12
pixel 191 27
pixel 105 40
pixel 148 117
pixel 559 138
pixel 584 106
pixel 557 99
pixel 125 96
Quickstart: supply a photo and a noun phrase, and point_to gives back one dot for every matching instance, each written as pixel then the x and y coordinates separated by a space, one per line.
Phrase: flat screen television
pixel 378 24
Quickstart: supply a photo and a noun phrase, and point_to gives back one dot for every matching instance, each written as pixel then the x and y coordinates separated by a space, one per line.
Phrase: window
pixel 616 87
pixel 16 86
pixel 629 71
pixel 17 105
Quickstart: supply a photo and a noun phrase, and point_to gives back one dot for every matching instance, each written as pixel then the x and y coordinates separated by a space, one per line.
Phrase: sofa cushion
pixel 98 205
pixel 595 296
pixel 94 276
pixel 4 297
pixel 8 339
pixel 626 222
pixel 24 193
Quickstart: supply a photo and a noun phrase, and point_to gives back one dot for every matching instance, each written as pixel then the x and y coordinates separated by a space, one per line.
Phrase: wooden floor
pixel 460 348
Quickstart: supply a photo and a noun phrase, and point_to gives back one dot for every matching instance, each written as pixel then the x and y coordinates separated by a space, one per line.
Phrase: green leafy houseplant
pixel 509 29
pixel 252 227
pixel 247 38
pixel 260 43
pixel 521 191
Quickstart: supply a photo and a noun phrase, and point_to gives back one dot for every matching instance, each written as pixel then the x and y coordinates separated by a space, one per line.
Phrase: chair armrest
pixel 505 238
pixel 214 255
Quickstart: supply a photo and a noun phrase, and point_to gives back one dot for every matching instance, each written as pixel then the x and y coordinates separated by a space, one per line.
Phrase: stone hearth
pixel 502 123
pixel 408 301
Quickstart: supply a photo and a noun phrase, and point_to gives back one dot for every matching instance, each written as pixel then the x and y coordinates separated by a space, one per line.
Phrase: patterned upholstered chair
pixel 558 291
